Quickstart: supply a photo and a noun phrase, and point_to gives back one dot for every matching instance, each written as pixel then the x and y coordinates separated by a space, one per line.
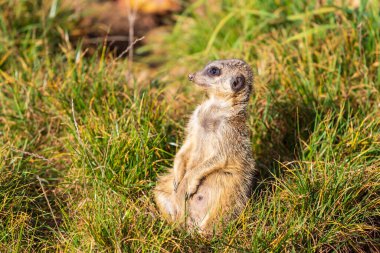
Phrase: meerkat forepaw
pixel 192 188
pixel 175 185
pixel 178 177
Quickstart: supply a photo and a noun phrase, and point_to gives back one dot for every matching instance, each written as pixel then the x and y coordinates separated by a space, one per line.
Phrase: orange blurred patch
pixel 151 6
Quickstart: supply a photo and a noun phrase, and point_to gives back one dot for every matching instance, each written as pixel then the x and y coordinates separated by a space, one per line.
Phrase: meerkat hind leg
pixel 165 196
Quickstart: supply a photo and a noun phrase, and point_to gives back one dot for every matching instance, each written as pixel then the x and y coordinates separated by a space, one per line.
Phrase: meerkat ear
pixel 237 83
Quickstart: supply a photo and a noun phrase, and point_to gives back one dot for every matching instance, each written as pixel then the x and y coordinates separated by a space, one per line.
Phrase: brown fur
pixel 213 171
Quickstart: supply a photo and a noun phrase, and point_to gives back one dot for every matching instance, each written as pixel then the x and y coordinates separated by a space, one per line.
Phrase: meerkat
pixel 213 171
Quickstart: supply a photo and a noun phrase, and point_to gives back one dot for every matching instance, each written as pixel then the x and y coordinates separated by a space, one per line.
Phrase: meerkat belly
pixel 204 148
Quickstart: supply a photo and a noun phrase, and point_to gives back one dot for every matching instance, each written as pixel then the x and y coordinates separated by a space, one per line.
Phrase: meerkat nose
pixel 191 77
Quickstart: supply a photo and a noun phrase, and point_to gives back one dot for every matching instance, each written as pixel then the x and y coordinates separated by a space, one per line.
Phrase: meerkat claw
pixel 175 186
pixel 192 189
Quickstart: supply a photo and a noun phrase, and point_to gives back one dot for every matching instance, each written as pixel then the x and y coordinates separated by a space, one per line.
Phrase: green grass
pixel 81 147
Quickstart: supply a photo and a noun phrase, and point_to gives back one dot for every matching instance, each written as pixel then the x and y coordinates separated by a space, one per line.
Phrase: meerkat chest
pixel 209 117
pixel 206 132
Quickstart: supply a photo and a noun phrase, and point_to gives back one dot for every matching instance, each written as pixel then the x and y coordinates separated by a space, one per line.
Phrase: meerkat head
pixel 231 78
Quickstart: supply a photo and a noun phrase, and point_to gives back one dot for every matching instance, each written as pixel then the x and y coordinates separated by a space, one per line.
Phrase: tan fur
pixel 212 174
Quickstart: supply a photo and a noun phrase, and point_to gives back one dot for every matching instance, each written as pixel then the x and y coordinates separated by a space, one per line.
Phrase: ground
pixel 84 136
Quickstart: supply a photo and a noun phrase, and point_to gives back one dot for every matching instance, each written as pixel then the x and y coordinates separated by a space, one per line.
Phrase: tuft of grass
pixel 81 145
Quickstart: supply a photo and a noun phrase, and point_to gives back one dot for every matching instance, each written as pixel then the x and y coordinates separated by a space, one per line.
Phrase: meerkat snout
pixel 191 77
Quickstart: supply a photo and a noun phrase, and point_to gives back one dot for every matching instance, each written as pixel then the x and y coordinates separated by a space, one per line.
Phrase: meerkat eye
pixel 214 71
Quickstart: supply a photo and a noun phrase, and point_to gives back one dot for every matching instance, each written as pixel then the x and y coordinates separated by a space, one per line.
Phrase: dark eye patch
pixel 214 71
pixel 237 83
